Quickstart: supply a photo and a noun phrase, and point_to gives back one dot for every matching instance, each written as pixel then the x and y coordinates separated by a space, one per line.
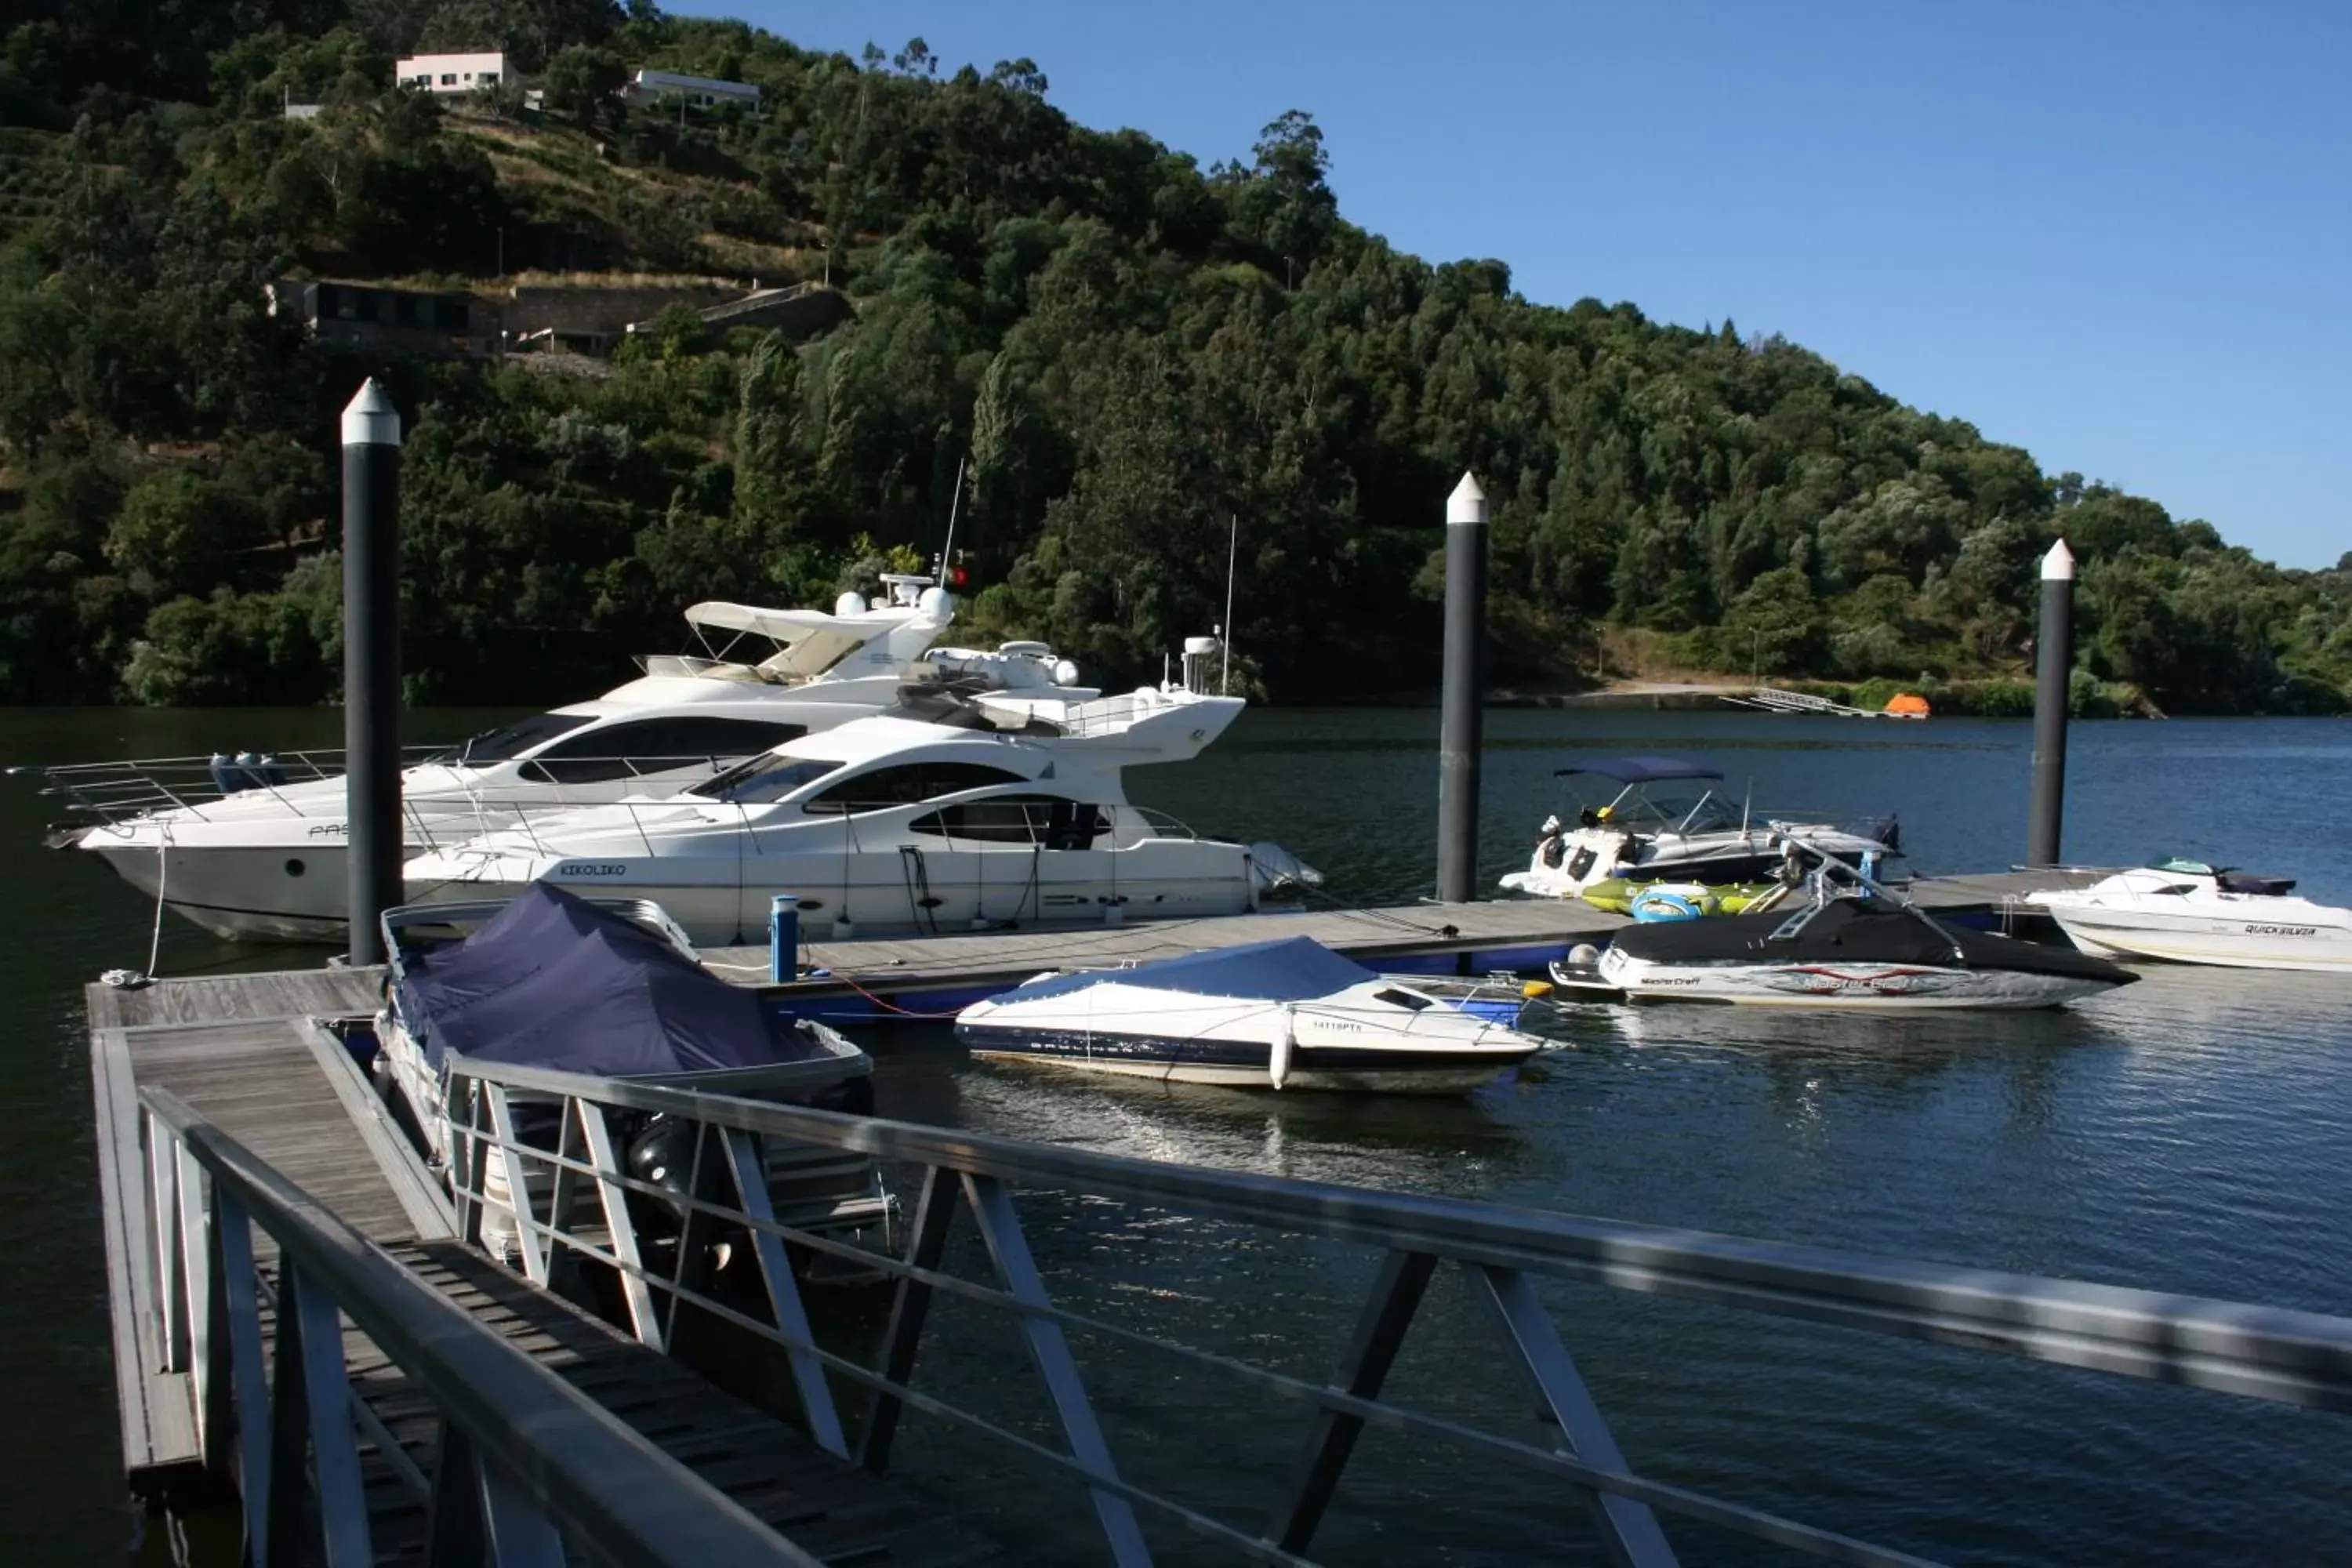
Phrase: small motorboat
pixel 1850 943
pixel 1289 1014
pixel 553 979
pixel 2192 912
pixel 1669 821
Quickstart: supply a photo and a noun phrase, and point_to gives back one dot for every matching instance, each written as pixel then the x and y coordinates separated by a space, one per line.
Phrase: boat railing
pixel 1162 824
pixel 1006 1190
pixel 1111 715
pixel 118 790
pixel 530 1468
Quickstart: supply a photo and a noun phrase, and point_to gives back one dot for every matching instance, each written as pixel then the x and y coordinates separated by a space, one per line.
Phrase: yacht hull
pixel 721 900
pixel 281 893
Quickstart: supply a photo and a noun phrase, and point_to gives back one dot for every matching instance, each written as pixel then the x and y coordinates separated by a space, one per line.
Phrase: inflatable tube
pixel 1683 902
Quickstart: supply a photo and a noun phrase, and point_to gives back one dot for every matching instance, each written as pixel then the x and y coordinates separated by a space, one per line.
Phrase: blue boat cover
pixel 1640 770
pixel 552 981
pixel 1292 969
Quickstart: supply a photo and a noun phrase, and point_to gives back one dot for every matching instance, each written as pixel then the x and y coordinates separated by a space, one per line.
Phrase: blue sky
pixel 2118 235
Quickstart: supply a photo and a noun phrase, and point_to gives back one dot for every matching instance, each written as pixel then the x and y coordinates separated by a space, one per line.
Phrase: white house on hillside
pixel 452 73
pixel 701 91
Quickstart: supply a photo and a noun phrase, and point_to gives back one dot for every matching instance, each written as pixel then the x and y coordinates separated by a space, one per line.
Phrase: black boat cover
pixel 552 981
pixel 1851 931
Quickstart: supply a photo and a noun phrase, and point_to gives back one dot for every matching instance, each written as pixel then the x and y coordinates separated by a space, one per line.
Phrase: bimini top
pixel 811 641
pixel 1641 770
pixel 553 981
pixel 1293 969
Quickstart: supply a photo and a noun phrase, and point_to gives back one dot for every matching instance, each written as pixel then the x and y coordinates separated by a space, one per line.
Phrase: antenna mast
pixel 955 501
pixel 1233 557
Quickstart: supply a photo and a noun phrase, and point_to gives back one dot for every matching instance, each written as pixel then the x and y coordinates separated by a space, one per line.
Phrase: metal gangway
pixel 517 1463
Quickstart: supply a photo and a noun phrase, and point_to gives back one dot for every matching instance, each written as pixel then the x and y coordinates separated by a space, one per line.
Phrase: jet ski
pixel 1841 940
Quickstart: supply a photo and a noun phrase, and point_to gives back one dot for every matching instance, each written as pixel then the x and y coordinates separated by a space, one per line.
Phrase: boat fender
pixel 224 774
pixel 1537 990
pixel 1278 1056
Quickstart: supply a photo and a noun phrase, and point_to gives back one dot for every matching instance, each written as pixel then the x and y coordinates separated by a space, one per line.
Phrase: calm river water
pixel 2190 1133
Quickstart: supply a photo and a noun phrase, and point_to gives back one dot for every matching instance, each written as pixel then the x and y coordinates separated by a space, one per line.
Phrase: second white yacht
pixel 948 813
pixel 254 849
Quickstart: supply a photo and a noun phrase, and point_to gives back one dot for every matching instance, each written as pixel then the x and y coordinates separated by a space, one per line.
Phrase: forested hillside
pixel 1126 349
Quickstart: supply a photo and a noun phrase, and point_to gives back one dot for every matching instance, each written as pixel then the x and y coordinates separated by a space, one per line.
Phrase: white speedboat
pixel 951 813
pixel 1644 833
pixel 550 980
pixel 1289 1014
pixel 254 848
pixel 2190 912
pixel 1849 943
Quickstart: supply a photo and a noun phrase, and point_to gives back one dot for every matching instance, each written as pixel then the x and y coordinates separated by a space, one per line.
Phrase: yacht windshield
pixel 509 740
pixel 755 781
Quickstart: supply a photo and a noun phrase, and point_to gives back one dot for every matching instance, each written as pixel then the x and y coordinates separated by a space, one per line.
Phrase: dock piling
pixel 373 841
pixel 2054 662
pixel 1460 726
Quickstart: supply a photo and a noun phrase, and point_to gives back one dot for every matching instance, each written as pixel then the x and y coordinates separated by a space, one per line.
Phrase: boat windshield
pixel 509 740
pixel 756 781
pixel 1650 810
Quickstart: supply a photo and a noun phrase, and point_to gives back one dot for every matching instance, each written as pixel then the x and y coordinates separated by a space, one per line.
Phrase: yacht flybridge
pixel 950 812
pixel 253 848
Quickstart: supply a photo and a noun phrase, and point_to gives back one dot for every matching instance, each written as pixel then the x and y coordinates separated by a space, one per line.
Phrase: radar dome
pixel 936 602
pixel 1065 673
pixel 849 605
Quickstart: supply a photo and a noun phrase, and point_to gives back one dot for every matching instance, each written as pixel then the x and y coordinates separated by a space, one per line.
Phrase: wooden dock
pixel 931 973
pixel 247 1053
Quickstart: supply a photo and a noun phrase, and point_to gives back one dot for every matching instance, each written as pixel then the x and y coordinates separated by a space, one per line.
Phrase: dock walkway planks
pixel 960 960
pixel 244 1051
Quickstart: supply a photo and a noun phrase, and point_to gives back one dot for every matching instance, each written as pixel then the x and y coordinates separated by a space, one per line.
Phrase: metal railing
pixel 113 791
pixel 2294 1358
pixel 525 1466
pixel 116 792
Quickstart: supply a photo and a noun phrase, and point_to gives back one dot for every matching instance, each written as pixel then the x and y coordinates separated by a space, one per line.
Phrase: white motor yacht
pixel 2190 912
pixel 1645 834
pixel 951 812
pixel 254 848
